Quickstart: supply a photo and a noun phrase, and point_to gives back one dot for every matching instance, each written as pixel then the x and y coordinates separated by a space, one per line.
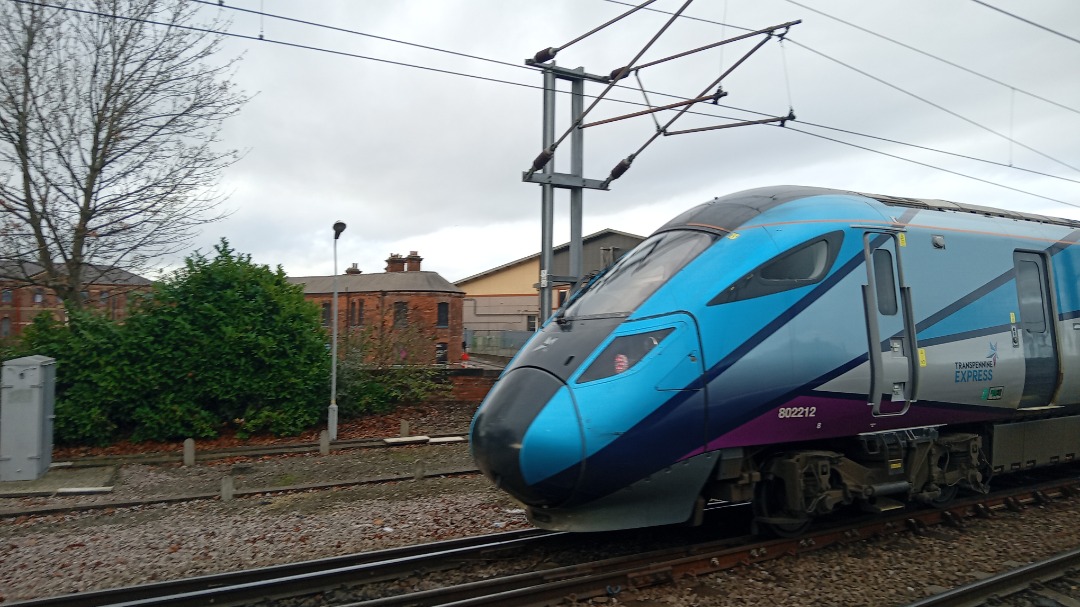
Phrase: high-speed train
pixel 804 349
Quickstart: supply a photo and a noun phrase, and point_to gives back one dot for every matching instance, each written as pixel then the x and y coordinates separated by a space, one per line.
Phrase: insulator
pixel 543 159
pixel 620 168
pixel 620 73
pixel 545 55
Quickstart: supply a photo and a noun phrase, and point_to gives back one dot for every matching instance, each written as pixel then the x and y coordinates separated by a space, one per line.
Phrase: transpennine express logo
pixel 977 370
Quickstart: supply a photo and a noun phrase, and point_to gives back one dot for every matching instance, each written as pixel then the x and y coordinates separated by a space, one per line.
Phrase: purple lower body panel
pixel 809 417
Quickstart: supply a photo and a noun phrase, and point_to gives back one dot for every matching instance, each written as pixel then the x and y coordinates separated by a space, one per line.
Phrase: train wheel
pixel 948 494
pixel 769 510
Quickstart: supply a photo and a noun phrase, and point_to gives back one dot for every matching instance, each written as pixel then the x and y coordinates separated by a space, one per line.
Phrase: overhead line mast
pixel 542 171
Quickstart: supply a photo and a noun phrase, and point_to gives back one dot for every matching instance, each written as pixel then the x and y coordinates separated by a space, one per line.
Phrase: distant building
pixel 506 298
pixel 105 289
pixel 403 295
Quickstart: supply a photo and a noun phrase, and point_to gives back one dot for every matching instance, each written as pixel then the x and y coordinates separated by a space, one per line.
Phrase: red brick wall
pixel 22 309
pixel 422 312
pixel 471 385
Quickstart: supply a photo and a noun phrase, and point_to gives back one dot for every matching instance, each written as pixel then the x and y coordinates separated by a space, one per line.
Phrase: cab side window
pixel 799 266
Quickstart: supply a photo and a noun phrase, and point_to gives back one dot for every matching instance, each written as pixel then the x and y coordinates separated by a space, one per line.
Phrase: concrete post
pixel 228 487
pixel 189 452
pixel 324 443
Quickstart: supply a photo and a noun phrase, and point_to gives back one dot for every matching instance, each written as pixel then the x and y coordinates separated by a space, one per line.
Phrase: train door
pixel 890 327
pixel 1036 329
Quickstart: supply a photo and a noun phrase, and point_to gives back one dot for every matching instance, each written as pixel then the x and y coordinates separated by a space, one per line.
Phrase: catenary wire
pixel 1028 21
pixel 886 83
pixel 935 105
pixel 935 57
pixel 533 69
pixel 930 166
pixel 536 87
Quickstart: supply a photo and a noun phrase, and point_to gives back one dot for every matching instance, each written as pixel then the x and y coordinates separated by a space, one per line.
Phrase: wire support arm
pixel 713 97
pixel 780 119
pixel 549 53
pixel 625 163
pixel 615 74
pixel 546 155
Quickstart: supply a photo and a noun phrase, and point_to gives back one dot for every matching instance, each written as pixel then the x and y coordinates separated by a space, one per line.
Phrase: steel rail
pixel 296 578
pixel 1002 584
pixel 609 577
pixel 587 580
pixel 249 450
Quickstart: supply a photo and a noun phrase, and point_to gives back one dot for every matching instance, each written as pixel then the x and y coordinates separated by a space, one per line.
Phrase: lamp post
pixel 332 414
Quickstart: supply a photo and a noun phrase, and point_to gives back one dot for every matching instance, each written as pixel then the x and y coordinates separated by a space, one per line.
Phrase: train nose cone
pixel 526 437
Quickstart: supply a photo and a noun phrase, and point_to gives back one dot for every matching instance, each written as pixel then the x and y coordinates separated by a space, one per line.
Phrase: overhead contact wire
pixel 935 57
pixel 647 104
pixel 930 166
pixel 940 107
pixel 837 61
pixel 1028 21
pixel 531 86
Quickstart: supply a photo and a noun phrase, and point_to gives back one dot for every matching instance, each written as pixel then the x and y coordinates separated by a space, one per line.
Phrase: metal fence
pixel 497 343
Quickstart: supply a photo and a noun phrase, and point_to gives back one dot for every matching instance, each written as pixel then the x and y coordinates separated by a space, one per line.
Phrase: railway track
pixel 208 455
pixel 446 573
pixel 1052 582
pixel 238 588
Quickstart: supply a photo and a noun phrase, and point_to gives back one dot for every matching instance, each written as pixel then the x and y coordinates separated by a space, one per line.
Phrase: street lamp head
pixel 339 227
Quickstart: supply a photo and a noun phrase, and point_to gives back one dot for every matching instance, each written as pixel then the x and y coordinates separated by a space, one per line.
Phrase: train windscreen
pixel 639 273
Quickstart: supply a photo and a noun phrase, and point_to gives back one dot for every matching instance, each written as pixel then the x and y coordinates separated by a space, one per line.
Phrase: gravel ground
pixel 55 554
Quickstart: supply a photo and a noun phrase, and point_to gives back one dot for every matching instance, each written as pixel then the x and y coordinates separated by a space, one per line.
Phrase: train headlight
pixel 622 354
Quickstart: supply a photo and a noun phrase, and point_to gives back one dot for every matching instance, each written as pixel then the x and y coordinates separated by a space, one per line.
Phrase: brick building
pixel 403 295
pixel 506 298
pixel 105 289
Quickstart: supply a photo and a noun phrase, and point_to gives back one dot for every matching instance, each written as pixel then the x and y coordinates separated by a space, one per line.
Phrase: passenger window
pixel 884 282
pixel 803 265
pixel 1029 286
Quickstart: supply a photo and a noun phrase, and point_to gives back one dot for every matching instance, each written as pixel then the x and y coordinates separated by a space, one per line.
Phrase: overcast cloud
pixel 419 160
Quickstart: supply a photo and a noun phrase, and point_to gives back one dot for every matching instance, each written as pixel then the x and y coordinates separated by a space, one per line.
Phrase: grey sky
pixel 418 160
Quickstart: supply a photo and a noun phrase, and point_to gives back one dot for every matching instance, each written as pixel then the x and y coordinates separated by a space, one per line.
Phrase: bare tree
pixel 109 118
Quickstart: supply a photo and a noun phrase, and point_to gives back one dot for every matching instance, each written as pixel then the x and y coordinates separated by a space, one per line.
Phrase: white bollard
pixel 189 452
pixel 227 488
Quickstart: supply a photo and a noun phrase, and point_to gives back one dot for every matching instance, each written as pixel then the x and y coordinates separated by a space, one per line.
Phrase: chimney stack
pixel 395 263
pixel 353 270
pixel 413 262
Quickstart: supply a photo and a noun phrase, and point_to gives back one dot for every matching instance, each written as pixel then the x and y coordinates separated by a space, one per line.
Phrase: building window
pixel 401 314
pixel 5 327
pixel 356 313
pixel 326 314
pixel 440 353
pixel 85 295
pixel 444 315
pixel 39 296
pixel 103 298
pixel 530 323
pixel 5 297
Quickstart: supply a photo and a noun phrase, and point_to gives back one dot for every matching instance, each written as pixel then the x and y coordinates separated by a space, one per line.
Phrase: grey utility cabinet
pixel 27 393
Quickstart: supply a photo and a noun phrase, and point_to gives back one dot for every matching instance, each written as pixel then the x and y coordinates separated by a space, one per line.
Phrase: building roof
pixel 372 283
pixel 564 246
pixel 92 274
